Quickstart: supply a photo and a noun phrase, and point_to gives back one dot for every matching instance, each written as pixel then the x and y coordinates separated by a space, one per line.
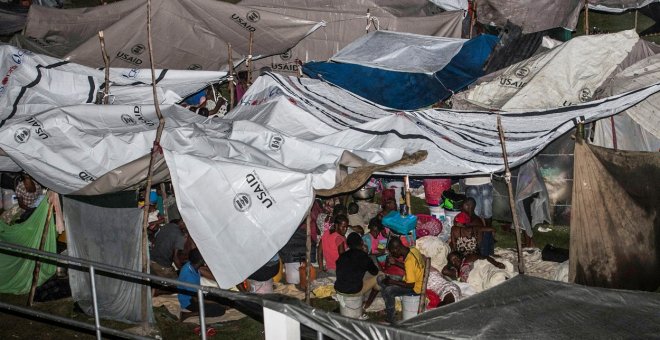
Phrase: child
pixel 376 241
pixel 192 272
pixel 333 243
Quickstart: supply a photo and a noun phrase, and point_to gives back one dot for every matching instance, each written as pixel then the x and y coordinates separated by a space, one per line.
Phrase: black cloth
pixel 168 238
pixel 266 272
pixel 351 267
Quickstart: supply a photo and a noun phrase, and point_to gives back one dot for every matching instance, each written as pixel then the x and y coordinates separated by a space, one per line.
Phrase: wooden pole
pixel 473 17
pixel 308 253
pixel 507 177
pixel 230 78
pixel 406 186
pixel 37 263
pixel 425 281
pixel 106 62
pixel 586 17
pixel 614 144
pixel 636 11
pixel 154 149
pixel 249 61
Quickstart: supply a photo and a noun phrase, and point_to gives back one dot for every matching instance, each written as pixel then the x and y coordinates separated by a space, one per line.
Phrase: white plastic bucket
pixel 261 287
pixel 437 212
pixel 350 305
pixel 410 305
pixel 292 273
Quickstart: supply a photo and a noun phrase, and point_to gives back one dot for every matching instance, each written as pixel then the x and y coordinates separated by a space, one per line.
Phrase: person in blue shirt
pixel 191 272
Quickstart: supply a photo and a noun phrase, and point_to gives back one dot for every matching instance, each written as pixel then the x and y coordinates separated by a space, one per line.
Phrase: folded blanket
pixel 484 275
pixel 434 248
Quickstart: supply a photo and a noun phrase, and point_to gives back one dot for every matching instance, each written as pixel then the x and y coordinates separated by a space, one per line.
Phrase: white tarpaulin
pixel 401 52
pixel 451 5
pixel 566 75
pixel 191 34
pixel 458 143
pixel 531 15
pixel 347 21
pixel 638 128
pixel 618 6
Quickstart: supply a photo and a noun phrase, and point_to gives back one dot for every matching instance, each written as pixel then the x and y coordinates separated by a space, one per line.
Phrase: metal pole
pixel 95 304
pixel 202 316
pixel 319 336
pixel 507 177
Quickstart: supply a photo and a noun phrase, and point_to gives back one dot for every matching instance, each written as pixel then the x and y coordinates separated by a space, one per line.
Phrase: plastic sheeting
pixel 618 6
pixel 12 22
pixel 346 21
pixel 186 35
pixel 15 271
pixel 405 71
pixel 530 185
pixel 638 128
pixel 615 223
pixel 531 15
pixel 108 229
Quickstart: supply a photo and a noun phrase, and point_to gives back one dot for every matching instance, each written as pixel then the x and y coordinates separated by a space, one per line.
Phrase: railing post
pixel 95 306
pixel 202 314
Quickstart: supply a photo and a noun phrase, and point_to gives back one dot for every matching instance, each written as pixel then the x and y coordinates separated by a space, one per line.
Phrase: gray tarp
pixel 190 34
pixel 106 235
pixel 531 15
pixel 12 22
pixel 347 20
pixel 618 6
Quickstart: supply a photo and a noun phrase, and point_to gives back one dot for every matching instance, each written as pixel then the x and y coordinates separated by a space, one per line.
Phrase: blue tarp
pixel 406 90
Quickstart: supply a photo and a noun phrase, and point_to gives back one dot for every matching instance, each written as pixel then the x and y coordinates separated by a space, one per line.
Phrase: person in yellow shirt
pixel 412 281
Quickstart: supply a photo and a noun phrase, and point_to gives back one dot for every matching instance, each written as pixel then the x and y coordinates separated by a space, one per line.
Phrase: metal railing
pixel 105 269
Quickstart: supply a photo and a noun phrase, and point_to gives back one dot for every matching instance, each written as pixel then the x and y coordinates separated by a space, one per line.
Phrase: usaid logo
pixel 521 72
pixel 22 135
pixel 86 176
pixel 585 95
pixel 276 142
pixel 242 202
pixel 286 55
pixel 253 16
pixel 132 73
pixel 137 49
pixel 128 120
pixel 17 57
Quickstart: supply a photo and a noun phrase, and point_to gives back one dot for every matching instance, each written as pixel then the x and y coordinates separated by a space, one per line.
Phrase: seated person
pixel 29 195
pixel 354 218
pixel 356 272
pixel 192 272
pixel 375 241
pixel 468 230
pixel 445 291
pixel 168 247
pixel 333 244
pixel 459 265
pixel 412 281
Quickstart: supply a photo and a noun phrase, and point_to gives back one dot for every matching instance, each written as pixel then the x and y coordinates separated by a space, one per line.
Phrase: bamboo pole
pixel 154 149
pixel 37 263
pixel 230 60
pixel 507 177
pixel 249 60
pixel 586 17
pixel 106 62
pixel 308 252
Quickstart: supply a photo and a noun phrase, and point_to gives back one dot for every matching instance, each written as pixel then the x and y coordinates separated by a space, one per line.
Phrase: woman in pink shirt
pixel 333 243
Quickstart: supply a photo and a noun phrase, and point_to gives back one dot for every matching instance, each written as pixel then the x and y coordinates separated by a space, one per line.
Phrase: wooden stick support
pixel 586 17
pixel 308 253
pixel 37 263
pixel 230 61
pixel 163 194
pixel 507 177
pixel 147 200
pixel 406 186
pixel 422 297
pixel 248 64
pixel 473 17
pixel 106 62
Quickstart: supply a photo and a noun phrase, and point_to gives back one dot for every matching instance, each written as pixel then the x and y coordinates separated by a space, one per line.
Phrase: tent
pixel 618 6
pixel 405 71
pixel 186 35
pixel 259 168
pixel 531 15
pixel 349 20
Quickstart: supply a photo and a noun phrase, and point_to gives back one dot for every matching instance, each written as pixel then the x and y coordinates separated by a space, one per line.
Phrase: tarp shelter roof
pixel 618 6
pixel 288 138
pixel 403 70
pixel 347 21
pixel 189 34
pixel 531 15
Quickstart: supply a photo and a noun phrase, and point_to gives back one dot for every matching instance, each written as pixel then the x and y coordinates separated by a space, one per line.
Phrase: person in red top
pixel 333 244
pixel 468 229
